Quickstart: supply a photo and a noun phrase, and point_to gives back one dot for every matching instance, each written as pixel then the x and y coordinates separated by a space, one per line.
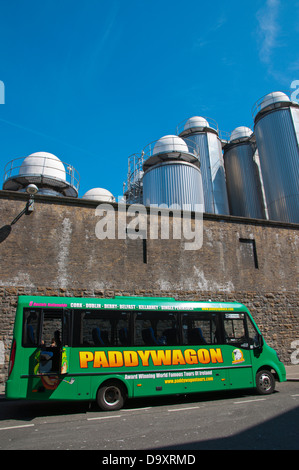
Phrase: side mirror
pixel 260 341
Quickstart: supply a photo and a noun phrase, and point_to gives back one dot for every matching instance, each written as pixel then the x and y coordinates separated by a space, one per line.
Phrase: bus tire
pixel 111 396
pixel 265 382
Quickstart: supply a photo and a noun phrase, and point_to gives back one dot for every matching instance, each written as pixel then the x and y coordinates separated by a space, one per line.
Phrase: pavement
pixel 291 370
pixel 292 373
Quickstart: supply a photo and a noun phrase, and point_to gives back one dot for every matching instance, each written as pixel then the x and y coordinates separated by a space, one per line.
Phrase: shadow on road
pixel 28 410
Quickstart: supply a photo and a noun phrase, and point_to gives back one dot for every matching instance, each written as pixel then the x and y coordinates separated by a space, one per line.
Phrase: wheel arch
pixel 269 368
pixel 115 380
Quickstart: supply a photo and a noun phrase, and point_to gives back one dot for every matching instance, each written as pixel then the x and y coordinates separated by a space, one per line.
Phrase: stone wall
pixel 55 251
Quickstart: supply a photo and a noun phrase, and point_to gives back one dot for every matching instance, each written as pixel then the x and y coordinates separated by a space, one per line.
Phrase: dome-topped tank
pixel 99 194
pixel 239 133
pixel 43 163
pixel 172 174
pixel 276 128
pixel 196 122
pixel 46 171
pixel 203 132
pixel 170 148
pixel 273 98
pixel 169 144
pixel 244 185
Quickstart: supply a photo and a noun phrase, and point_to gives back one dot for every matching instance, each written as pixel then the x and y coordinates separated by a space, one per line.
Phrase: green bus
pixel 108 350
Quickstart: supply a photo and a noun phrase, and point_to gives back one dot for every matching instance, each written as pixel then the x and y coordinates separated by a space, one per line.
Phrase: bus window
pixel 101 328
pixel 31 328
pixel 151 330
pixel 235 330
pixel 252 334
pixel 52 329
pixel 200 328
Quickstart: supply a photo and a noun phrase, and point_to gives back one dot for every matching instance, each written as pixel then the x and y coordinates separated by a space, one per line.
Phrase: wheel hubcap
pixel 112 396
pixel 265 382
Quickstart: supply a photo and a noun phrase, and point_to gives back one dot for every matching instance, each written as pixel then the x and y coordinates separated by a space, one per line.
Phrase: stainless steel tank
pixel 204 134
pixel 244 186
pixel 173 183
pixel 277 137
pixel 172 174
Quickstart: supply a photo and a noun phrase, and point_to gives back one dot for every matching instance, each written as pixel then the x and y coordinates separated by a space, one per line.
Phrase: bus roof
pixel 127 303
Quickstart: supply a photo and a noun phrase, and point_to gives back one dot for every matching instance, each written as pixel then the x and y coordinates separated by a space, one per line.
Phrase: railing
pixel 135 173
pixel 258 104
pixel 42 166
pixel 171 144
pixel 212 124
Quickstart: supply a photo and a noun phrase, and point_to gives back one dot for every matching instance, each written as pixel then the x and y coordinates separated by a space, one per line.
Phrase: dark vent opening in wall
pixel 137 247
pixel 250 243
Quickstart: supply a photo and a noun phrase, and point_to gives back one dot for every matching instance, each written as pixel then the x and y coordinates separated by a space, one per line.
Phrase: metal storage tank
pixel 205 135
pixel 45 170
pixel 244 186
pixel 277 135
pixel 172 174
pixel 99 194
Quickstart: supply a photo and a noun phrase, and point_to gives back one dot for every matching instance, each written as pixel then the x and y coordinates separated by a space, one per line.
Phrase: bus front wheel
pixel 111 396
pixel 265 382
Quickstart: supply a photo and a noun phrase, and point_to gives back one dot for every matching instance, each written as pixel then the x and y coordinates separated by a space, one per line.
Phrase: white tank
pixel 43 163
pixel 274 98
pixel 99 194
pixel 46 171
pixel 169 144
pixel 241 132
pixel 196 122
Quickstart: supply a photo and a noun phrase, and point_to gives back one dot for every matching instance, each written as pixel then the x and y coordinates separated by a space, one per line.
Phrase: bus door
pixel 236 350
pixel 66 341
pixel 54 348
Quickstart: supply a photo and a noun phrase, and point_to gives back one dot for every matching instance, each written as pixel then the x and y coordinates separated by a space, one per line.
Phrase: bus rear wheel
pixel 111 396
pixel 265 382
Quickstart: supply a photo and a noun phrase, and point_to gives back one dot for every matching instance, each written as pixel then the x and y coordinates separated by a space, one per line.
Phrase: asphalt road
pixel 231 420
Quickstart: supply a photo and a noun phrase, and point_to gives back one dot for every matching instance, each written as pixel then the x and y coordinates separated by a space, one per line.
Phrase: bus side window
pixel 52 329
pixel 105 328
pixel 234 329
pixel 153 330
pixel 200 328
pixel 31 328
pixel 252 333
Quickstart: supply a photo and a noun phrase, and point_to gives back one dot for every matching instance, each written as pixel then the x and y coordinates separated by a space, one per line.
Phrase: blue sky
pixel 94 82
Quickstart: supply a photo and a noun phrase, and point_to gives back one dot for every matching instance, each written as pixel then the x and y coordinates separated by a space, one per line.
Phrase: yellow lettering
pixel 115 359
pixel 177 357
pixel 144 356
pixel 203 356
pixel 161 357
pixel 84 358
pixel 100 359
pixel 191 357
pixel 216 355
pixel 131 358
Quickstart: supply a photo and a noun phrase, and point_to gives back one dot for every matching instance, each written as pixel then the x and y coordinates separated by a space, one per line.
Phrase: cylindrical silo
pixel 244 186
pixel 277 136
pixel 205 135
pixel 172 174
